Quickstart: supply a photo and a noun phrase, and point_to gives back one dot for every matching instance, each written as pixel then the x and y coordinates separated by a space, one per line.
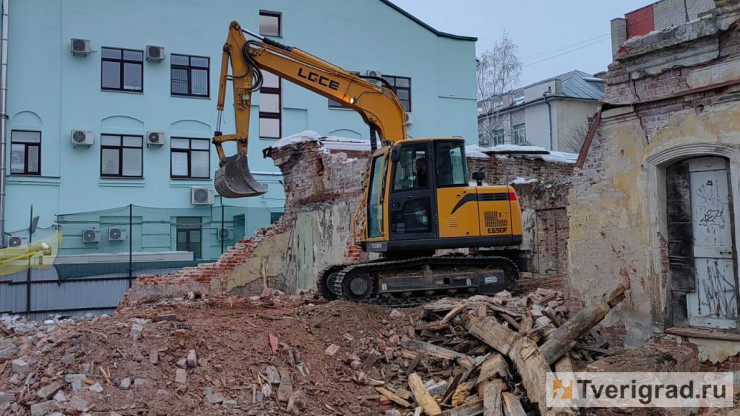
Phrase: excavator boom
pixel 378 106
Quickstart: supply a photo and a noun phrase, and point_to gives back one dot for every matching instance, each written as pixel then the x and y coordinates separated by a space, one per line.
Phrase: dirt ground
pixel 231 338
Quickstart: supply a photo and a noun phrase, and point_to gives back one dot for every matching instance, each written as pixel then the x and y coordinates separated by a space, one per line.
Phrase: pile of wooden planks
pixel 490 355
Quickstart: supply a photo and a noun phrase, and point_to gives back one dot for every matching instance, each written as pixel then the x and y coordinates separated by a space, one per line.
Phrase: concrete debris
pixel 136 331
pixel 125 384
pixel 97 388
pixel 192 359
pixel 20 367
pixel 215 398
pixel 181 376
pixel 273 377
pixel 168 316
pixel 76 380
pixel 47 392
pixel 44 408
pixel 332 350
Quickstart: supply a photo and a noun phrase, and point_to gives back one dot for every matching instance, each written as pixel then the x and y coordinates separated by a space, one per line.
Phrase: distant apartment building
pixel 553 114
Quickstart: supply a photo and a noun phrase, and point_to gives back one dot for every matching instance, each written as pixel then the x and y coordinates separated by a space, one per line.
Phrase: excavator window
pixel 450 158
pixel 374 198
pixel 411 169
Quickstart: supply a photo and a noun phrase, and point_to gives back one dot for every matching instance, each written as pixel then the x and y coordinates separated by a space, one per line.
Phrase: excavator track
pixel 411 282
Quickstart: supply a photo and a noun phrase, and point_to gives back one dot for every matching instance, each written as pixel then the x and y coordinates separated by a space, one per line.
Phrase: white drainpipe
pixel 3 117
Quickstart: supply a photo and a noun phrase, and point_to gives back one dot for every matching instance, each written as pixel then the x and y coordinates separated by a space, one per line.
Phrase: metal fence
pixel 90 259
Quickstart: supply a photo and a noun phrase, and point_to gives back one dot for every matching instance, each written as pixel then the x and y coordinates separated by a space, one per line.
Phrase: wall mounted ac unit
pixel 91 235
pixel 373 73
pixel 154 138
pixel 116 234
pixel 15 241
pixel 409 118
pixel 200 195
pixel 154 53
pixel 81 47
pixel 82 138
pixel 224 234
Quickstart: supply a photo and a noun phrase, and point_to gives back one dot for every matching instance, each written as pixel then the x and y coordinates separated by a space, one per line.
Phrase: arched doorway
pixel 702 253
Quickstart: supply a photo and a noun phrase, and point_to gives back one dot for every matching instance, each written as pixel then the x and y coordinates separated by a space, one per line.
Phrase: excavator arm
pixel 378 106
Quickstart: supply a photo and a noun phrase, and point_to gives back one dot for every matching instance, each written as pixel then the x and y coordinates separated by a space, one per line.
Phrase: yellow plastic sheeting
pixel 38 255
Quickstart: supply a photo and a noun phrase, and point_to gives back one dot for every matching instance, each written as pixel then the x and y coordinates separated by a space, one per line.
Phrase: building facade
pixel 653 206
pixel 553 114
pixel 111 107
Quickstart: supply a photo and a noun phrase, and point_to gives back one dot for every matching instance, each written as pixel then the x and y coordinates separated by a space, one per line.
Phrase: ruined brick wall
pixel 670 96
pixel 503 169
pixel 323 190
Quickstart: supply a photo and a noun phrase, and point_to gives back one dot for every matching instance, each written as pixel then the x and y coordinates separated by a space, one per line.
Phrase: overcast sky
pixel 554 37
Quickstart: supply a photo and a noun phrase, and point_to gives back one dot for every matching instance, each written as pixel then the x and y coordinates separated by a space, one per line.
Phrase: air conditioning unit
pixel 154 53
pixel 373 73
pixel 409 118
pixel 116 234
pixel 200 195
pixel 91 235
pixel 154 138
pixel 82 138
pixel 224 234
pixel 15 241
pixel 81 47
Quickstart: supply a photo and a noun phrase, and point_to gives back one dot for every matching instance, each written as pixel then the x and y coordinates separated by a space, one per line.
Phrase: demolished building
pixel 655 197
pixel 324 183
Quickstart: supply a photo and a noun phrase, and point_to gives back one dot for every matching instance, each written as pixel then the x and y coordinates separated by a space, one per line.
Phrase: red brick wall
pixel 640 22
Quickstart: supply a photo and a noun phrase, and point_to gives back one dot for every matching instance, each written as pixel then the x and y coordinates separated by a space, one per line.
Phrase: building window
pixel 520 134
pixel 189 75
pixel 121 156
pixel 498 137
pixel 122 70
pixel 270 106
pixel 402 87
pixel 189 235
pixel 190 158
pixel 25 152
pixel 275 216
pixel 270 23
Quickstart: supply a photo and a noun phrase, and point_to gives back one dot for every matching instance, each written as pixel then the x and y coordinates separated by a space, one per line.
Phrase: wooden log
pixel 524 353
pixel 493 367
pixel 468 409
pixel 393 397
pixel 564 365
pixel 511 405
pixel 555 345
pixel 439 352
pixel 526 324
pixel 438 326
pixel 492 398
pixel 422 396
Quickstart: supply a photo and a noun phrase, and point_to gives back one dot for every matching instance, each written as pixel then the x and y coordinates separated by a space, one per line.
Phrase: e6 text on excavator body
pixel 418 198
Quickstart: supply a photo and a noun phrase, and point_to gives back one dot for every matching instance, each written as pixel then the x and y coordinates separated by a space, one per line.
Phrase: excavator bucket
pixel 234 180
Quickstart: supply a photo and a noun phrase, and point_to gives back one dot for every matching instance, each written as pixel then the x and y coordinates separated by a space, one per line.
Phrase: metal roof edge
pixel 426 26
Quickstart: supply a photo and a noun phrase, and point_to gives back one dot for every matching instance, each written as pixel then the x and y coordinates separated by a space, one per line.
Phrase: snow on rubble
pixel 329 142
pixel 527 152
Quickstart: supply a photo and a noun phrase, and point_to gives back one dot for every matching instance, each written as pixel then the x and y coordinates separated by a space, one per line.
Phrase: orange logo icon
pixel 560 389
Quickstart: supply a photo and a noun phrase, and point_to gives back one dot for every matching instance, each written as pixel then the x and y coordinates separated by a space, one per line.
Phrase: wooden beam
pixel 512 406
pixel 422 396
pixel 393 397
pixel 560 341
pixel 439 352
pixel 492 398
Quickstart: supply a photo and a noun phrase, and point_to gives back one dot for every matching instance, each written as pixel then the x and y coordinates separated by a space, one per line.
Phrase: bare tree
pixel 573 142
pixel 498 72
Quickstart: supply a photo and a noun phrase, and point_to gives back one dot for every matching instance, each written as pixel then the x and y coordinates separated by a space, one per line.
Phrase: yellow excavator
pixel 417 199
